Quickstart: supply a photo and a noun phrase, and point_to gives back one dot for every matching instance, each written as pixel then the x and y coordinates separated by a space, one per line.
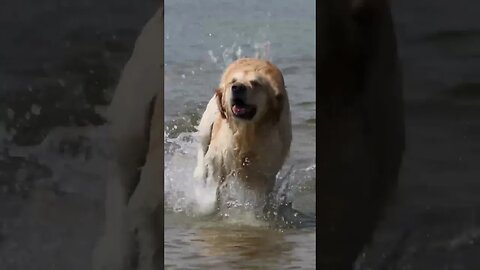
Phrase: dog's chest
pixel 227 156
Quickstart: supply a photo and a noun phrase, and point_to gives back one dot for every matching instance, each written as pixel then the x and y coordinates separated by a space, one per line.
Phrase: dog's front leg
pixel 115 250
pixel 145 206
pixel 143 209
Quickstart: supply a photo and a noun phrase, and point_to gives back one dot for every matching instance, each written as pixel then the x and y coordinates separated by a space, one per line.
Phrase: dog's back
pixel 136 118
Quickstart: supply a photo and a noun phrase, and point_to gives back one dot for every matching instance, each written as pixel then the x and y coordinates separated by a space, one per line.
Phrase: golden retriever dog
pixel 360 125
pixel 245 132
pixel 134 190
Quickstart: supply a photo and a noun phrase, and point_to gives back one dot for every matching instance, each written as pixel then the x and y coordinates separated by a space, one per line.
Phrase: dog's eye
pixel 255 83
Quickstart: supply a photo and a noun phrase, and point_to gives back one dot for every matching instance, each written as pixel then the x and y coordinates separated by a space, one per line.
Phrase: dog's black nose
pixel 238 89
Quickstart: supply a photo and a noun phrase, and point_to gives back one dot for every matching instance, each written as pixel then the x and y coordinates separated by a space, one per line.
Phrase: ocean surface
pixel 59 66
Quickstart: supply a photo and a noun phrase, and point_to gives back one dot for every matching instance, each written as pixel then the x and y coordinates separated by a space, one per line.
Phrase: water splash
pixel 185 194
pixel 242 47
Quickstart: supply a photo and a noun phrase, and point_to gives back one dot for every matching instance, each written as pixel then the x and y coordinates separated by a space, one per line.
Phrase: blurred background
pixel 59 64
pixel 60 61
pixel 435 222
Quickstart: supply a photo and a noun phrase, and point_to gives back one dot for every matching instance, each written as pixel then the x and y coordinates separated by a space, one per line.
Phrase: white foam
pixel 186 194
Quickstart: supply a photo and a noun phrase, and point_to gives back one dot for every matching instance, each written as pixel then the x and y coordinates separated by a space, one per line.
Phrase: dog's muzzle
pixel 240 108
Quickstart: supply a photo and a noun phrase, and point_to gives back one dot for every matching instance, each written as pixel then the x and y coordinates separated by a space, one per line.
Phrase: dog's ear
pixel 278 107
pixel 221 108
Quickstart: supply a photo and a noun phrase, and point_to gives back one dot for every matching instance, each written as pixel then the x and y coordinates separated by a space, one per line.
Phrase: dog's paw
pixel 109 255
pixel 205 199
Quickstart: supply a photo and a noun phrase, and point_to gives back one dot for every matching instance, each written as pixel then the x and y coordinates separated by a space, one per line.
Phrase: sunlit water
pixel 201 39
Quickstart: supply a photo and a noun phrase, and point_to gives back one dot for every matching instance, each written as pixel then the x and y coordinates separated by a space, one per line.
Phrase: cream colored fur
pixel 252 151
pixel 134 190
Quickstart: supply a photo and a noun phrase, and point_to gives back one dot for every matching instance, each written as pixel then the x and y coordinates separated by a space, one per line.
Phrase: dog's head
pixel 251 91
pixel 349 33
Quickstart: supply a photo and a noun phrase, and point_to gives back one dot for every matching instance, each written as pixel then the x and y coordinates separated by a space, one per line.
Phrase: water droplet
pixel 246 162
pixel 36 109
pixel 10 113
pixel 61 82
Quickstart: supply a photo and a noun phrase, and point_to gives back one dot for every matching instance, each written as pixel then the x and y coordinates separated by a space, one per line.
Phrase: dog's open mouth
pixel 242 110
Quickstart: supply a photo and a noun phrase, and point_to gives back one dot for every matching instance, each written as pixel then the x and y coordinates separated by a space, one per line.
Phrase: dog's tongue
pixel 239 110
